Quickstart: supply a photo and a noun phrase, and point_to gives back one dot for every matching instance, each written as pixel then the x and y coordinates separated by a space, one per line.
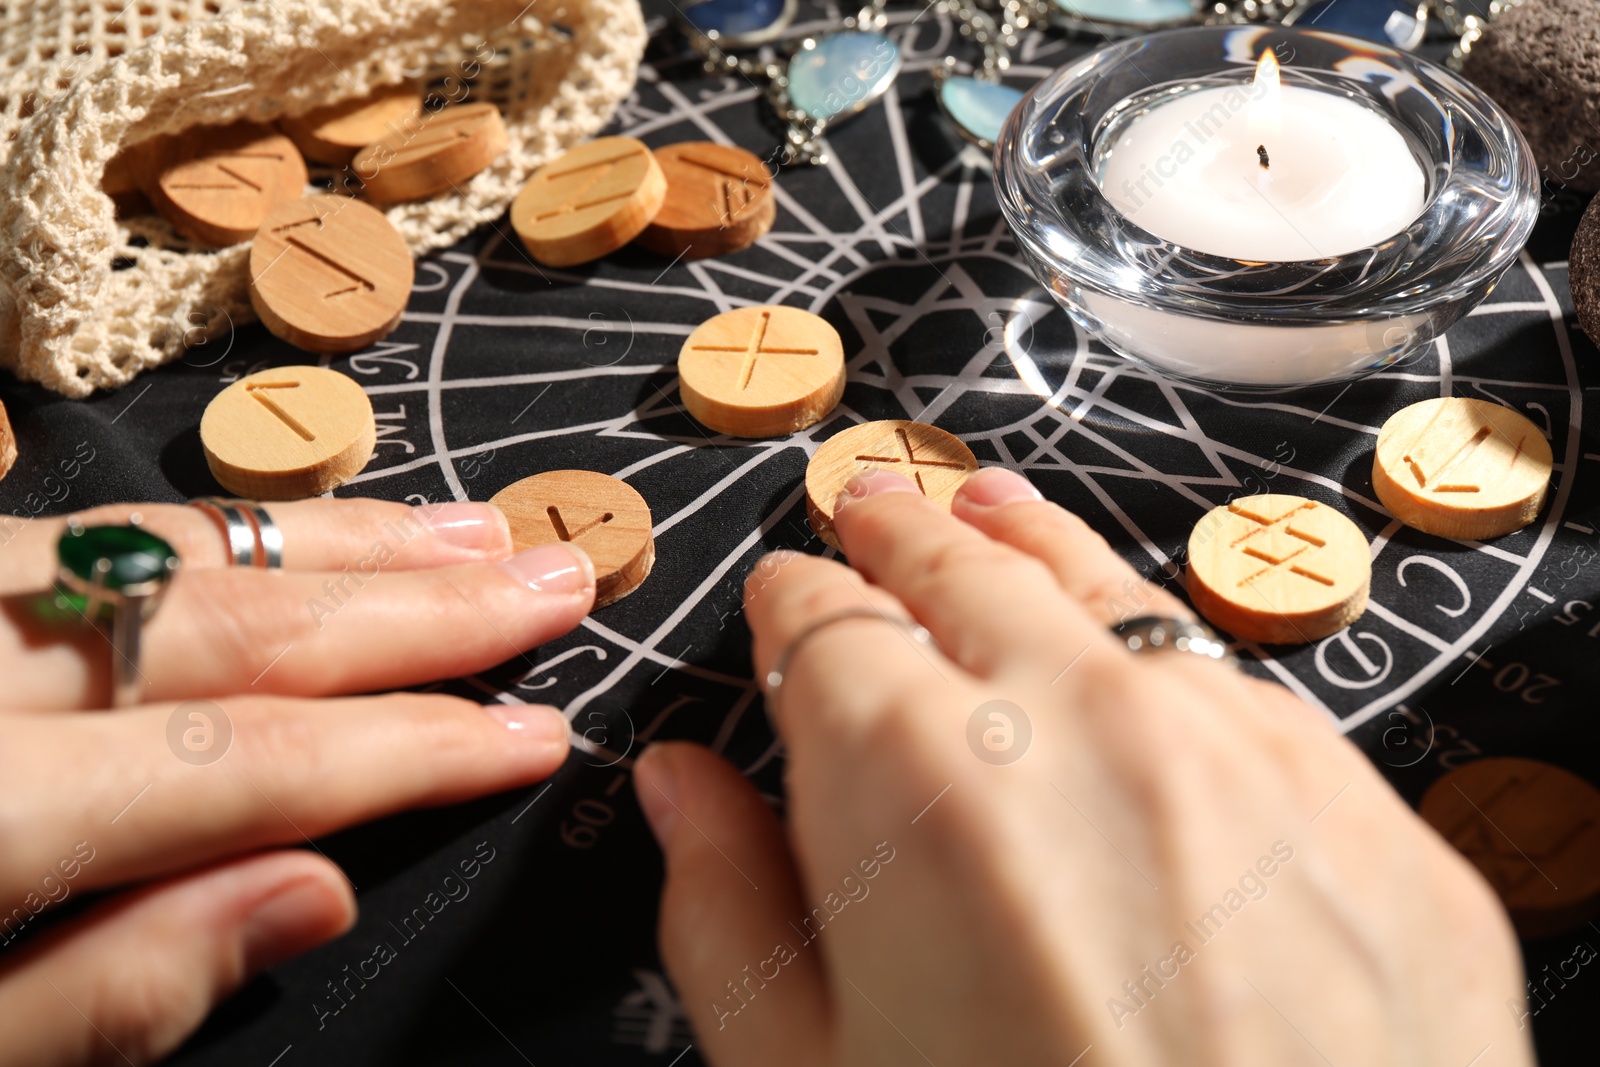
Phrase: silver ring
pixel 780 666
pixel 254 540
pixel 1166 633
pixel 269 538
pixel 235 528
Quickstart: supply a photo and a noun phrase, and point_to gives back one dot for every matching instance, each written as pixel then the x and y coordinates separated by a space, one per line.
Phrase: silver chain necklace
pixel 827 78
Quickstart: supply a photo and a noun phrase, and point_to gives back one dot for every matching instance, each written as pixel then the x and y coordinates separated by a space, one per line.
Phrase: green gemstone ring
pixel 114 576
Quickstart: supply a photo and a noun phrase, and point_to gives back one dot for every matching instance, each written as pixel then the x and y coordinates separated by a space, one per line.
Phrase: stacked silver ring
pixel 253 539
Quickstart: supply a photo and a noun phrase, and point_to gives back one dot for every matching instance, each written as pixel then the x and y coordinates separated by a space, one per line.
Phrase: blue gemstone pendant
pixel 841 73
pixel 1399 23
pixel 976 108
pixel 739 23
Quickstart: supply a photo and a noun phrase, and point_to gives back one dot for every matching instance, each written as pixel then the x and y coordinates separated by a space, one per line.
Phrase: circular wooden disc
pixel 719 200
pixel 1461 468
pixel 330 274
pixel 761 371
pixel 288 433
pixel 430 152
pixel 589 202
pixel 602 515
pixel 1533 830
pixel 334 134
pixel 216 183
pixel 1278 569
pixel 937 461
pixel 8 443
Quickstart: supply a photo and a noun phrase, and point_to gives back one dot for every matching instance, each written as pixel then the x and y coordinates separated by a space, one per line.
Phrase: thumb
pixel 750 983
pixel 130 980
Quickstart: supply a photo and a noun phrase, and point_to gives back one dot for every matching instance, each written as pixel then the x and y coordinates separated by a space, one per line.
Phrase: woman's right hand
pixel 244 745
pixel 1184 865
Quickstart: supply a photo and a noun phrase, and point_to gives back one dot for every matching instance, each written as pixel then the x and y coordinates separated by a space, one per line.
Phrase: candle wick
pixel 1261 154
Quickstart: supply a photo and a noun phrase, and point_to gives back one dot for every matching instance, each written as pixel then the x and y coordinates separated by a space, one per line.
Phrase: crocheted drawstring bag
pixel 88 300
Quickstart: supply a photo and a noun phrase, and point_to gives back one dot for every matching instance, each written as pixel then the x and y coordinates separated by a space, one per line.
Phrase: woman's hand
pixel 1182 866
pixel 372 596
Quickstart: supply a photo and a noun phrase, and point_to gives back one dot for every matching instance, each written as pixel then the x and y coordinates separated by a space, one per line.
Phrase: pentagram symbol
pixel 912 460
pixel 753 350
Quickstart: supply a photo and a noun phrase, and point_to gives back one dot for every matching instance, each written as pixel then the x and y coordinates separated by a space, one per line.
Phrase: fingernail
pixel 534 723
pixel 658 794
pixel 993 486
pixel 466 524
pixel 559 569
pixel 874 481
pixel 298 917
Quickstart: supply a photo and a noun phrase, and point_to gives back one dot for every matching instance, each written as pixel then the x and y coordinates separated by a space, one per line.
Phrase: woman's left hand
pixel 255 667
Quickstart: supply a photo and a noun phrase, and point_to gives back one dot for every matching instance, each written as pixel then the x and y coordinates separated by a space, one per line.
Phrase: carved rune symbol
pixel 564 533
pixel 1278 543
pixel 356 281
pixel 911 459
pixel 217 162
pixel 1469 466
pixel 451 133
pixel 259 391
pixel 1507 864
pixel 753 350
pixel 576 202
pixel 734 188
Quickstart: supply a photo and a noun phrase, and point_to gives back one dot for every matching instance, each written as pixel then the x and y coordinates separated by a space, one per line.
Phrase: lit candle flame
pixel 1266 101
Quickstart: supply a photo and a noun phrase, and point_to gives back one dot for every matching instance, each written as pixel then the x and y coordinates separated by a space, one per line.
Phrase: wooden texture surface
pixel 431 153
pixel 329 274
pixel 1533 830
pixel 1278 569
pixel 589 202
pixel 605 517
pixel 334 134
pixel 8 443
pixel 216 183
pixel 719 200
pixel 1461 468
pixel 288 433
pixel 938 462
pixel 761 371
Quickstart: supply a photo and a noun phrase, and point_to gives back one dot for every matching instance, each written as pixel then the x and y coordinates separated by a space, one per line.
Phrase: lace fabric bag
pixel 88 300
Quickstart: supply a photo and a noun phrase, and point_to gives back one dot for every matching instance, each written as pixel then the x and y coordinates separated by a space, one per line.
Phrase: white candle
pixel 1269 173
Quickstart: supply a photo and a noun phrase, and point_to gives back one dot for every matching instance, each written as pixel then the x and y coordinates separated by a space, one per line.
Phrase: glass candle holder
pixel 1224 322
